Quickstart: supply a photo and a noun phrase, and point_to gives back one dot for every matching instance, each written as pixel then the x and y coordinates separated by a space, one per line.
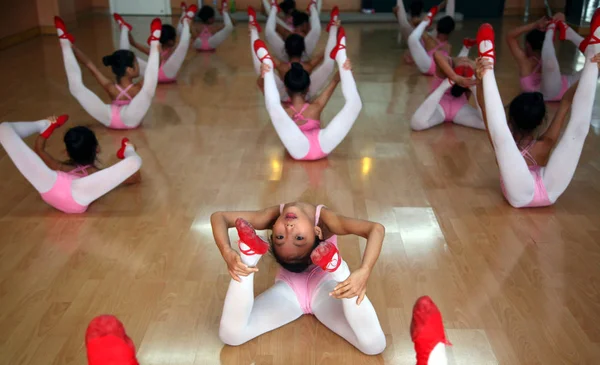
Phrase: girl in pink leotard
pixel 536 168
pixel 207 35
pixel 449 99
pixel 130 101
pixel 313 279
pixel 172 53
pixel 538 65
pixel 301 133
pixel 73 185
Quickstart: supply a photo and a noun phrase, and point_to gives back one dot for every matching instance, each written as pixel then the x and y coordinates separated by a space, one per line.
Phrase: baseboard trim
pixel 20 37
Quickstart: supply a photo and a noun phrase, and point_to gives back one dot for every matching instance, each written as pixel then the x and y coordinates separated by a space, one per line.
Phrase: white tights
pixel 131 114
pixel 85 190
pixel 257 64
pixel 551 78
pixel 320 75
pixel 278 21
pixel 430 113
pixel 406 27
pixel 557 174
pixel 331 136
pixel 219 37
pixel 278 44
pixel 246 317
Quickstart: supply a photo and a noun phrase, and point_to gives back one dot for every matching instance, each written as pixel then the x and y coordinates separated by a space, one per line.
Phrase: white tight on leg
pixel 464 52
pixel 451 8
pixel 27 162
pixel 89 188
pixel 219 37
pixel 335 132
pixel 573 36
pixel 277 44
pixel 125 45
pixel 291 136
pixel 92 104
pixel 320 75
pixel 564 159
pixel 312 38
pixel 469 117
pixel 417 50
pixel 518 182
pixel 357 324
pixel 405 27
pixel 278 20
pixel 133 113
pixel 551 77
pixel 430 113
pixel 256 62
pixel 173 64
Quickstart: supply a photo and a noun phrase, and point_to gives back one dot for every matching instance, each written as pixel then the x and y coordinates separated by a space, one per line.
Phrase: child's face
pixel 294 235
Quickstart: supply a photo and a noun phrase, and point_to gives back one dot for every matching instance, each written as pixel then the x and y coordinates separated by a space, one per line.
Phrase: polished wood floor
pixel 514 286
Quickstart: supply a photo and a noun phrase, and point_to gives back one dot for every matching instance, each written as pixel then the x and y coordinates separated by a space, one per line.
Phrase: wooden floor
pixel 514 286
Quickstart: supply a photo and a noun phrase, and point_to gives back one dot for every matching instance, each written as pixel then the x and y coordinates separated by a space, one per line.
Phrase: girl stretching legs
pixel 535 185
pixel 62 185
pixel 130 115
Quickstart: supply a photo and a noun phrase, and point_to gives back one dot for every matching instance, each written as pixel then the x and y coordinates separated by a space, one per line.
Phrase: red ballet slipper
pixel 326 256
pixel 464 71
pixel 431 14
pixel 119 19
pixel 426 329
pixel 335 15
pixel 155 30
pixel 224 6
pixel 276 5
pixel 107 343
pixel 592 38
pixel 60 24
pixel 183 7
pixel 261 48
pixel 341 36
pixel 59 121
pixel 255 244
pixel 252 19
pixel 121 151
pixel 561 30
pixel 486 33
pixel 469 42
pixel 190 13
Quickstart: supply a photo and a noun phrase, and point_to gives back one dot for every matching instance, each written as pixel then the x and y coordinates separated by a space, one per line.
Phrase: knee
pixel 374 345
pixel 415 124
pixel 134 162
pixel 413 38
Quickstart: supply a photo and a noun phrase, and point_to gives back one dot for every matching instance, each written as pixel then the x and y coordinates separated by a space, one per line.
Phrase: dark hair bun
pixel 297 66
pixel 107 60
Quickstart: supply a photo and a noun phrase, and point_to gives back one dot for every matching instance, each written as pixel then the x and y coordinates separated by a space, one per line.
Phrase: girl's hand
pixel 236 267
pixel 559 16
pixel 347 65
pixel 52 119
pixel 264 68
pixel 542 24
pixel 596 59
pixel 482 66
pixel 355 285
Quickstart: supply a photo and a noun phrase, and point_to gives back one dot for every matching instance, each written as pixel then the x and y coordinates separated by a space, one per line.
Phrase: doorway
pixel 141 7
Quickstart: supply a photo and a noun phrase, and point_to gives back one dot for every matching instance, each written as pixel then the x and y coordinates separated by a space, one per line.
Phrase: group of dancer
pixel 535 167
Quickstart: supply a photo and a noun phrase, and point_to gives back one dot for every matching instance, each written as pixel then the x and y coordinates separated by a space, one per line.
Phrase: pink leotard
pixel 540 196
pixel 449 103
pixel 533 82
pixel 311 130
pixel 304 284
pixel 204 36
pixel 61 194
pixel 115 121
pixel 432 68
pixel 162 78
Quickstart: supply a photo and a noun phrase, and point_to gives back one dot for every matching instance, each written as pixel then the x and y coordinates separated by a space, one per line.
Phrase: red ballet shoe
pixel 190 13
pixel 426 329
pixel 258 46
pixel 561 30
pixel 155 30
pixel 311 3
pixel 464 71
pixel 252 19
pixel 107 343
pixel 276 5
pixel 223 6
pixel 60 24
pixel 335 15
pixel 469 42
pixel 431 14
pixel 592 38
pixel 183 7
pixel 486 33
pixel 119 19
pixel 326 256
pixel 59 122
pixel 255 244
pixel 121 151
pixel 340 36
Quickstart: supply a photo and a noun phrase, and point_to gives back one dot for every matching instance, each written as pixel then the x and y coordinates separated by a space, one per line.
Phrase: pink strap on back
pixel 298 114
pixel 438 46
pixel 80 171
pixel 123 92
pixel 527 155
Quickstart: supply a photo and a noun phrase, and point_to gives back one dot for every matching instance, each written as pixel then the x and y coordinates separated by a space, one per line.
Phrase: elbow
pixel 379 229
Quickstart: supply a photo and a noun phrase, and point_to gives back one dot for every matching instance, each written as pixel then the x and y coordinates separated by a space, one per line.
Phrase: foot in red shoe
pixel 276 5
pixel 593 39
pixel 224 7
pixel 485 42
pixel 121 151
pixel 191 12
pixel 431 14
pixel 61 30
pixel 311 3
pixel 122 23
pixel 107 343
pixel 183 7
pixel 427 332
pixel 333 18
pixel 250 243
pixel 469 42
pixel 53 125
pixel 252 19
pixel 341 43
pixel 326 256
pixel 561 30
pixel 260 48
pixel 155 31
